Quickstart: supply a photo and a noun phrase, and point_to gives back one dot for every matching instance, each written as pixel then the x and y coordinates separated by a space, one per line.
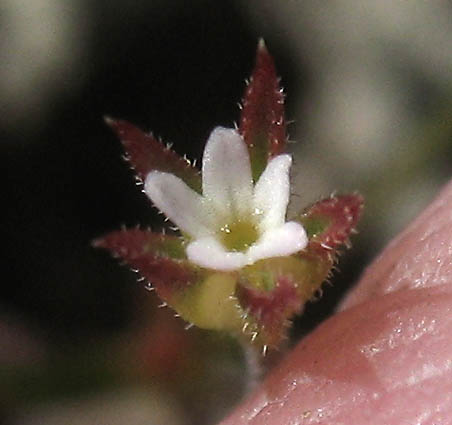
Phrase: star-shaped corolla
pixel 234 222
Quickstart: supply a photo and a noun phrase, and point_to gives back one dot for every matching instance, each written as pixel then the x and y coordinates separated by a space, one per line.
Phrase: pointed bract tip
pixel 110 121
pixel 113 123
pixel 261 46
pixel 98 243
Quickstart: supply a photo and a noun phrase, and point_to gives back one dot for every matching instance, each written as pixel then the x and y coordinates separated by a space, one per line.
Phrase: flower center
pixel 238 235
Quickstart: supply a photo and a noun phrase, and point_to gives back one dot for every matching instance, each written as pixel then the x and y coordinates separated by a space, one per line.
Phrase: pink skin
pixel 386 356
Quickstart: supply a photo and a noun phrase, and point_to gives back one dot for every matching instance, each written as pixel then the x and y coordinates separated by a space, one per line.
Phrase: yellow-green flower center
pixel 238 235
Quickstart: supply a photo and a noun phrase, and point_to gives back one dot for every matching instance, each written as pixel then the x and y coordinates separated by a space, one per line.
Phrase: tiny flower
pixel 234 222
pixel 238 265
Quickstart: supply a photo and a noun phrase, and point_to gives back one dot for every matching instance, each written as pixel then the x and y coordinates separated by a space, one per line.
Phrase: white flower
pixel 233 223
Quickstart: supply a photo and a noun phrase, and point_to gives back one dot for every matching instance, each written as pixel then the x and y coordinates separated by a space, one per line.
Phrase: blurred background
pixel 369 91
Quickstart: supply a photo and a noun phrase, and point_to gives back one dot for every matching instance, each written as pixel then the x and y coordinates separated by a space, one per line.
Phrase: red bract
pixel 262 122
pixel 330 222
pixel 159 258
pixel 268 310
pixel 145 154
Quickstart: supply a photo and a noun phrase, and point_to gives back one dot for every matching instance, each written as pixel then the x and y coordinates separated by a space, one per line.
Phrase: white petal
pixel 285 240
pixel 226 172
pixel 272 191
pixel 208 252
pixel 183 206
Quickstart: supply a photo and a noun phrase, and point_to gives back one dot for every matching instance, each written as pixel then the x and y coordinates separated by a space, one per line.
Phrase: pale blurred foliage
pixel 41 45
pixel 134 407
pixel 380 97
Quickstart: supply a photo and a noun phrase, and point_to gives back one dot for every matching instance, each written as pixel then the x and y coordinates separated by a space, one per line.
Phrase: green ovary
pixel 211 304
pixel 238 235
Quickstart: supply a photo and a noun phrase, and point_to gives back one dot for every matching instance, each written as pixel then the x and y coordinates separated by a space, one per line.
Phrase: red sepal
pixel 147 154
pixel 262 122
pixel 330 221
pixel 158 258
pixel 270 310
